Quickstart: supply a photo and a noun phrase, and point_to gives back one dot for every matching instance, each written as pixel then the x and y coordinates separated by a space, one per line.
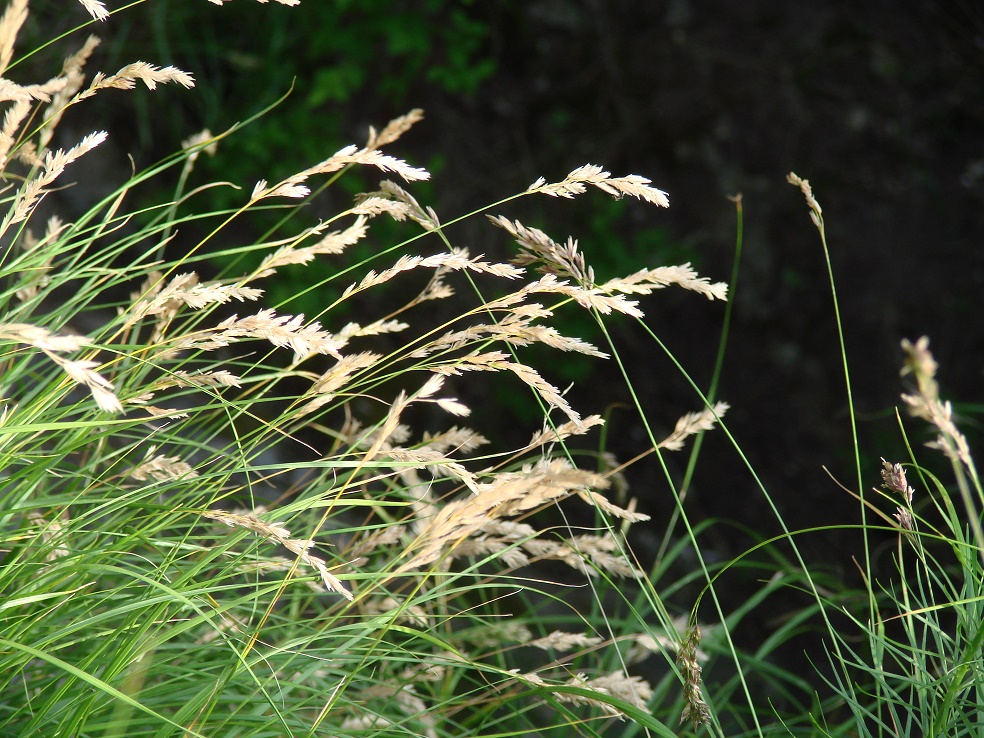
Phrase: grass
pixel 220 519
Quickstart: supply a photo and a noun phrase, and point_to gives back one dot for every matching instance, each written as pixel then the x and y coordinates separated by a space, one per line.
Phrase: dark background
pixel 879 104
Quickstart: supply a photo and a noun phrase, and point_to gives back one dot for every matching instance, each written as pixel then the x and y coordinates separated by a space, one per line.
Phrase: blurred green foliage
pixel 352 64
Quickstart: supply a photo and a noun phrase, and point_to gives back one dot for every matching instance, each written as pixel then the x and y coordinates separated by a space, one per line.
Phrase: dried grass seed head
pixel 95 8
pixel 562 641
pixel 394 129
pixel 645 281
pixel 294 186
pixel 693 423
pixel 591 174
pixel 816 213
pixel 926 403
pixel 10 24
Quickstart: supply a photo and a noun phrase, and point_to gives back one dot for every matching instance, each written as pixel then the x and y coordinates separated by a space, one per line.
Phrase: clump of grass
pixel 225 523
pixel 905 651
pixel 920 670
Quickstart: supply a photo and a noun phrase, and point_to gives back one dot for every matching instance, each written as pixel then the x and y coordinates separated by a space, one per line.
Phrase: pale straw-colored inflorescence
pixel 576 183
pixel 277 533
pixel 925 402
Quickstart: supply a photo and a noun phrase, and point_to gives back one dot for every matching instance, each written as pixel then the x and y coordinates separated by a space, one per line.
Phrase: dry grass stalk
pixel 374 540
pixel 927 405
pixel 391 423
pixel 816 212
pixel 566 261
pixel 185 290
pixel 52 166
pixel 284 331
pixel 645 645
pixel 376 328
pixel 333 243
pixel 413 614
pixel 81 371
pixel 511 493
pixel 12 120
pixel 127 78
pixel 605 505
pixel 563 431
pixel 510 555
pixel 547 392
pixel 161 468
pixel 41 338
pixel 588 298
pixel 294 186
pixel 277 533
pixel 454 260
pixel 371 206
pixel 196 143
pixel 581 681
pixel 424 673
pixel 37 276
pixel 895 481
pixel 634 690
pixel 560 641
pixel 588 554
pixel 95 8
pixel 693 423
pixel 10 24
pixel 404 695
pixel 645 281
pixel 410 208
pixel 384 439
pixel 514 543
pixel 502 548
pixel 394 129
pixel 462 440
pixel 51 535
pixel 437 463
pixel 71 79
pixel 517 330
pixel 367 722
pixel 323 389
pixel 29 93
pixel 203 378
pixel 590 174
pixel 496 361
pixel 551 257
pixel 591 298
pixel 496 633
